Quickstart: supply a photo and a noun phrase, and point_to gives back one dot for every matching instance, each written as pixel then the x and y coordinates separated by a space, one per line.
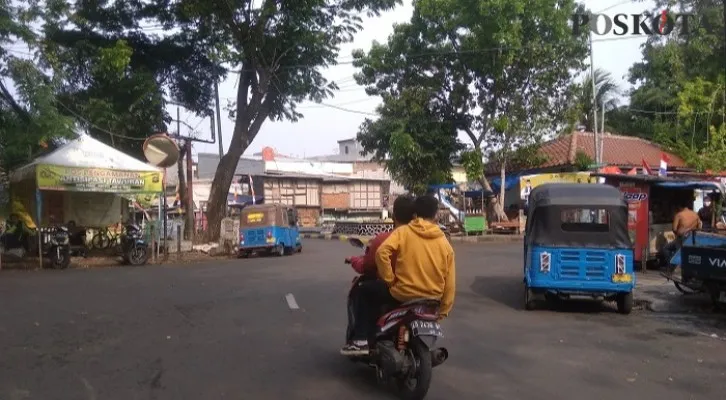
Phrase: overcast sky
pixel 323 126
pixel 318 132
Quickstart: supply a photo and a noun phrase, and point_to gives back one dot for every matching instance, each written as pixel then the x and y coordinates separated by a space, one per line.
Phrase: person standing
pixel 705 214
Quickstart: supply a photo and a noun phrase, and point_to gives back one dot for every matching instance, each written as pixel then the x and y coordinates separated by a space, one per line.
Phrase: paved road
pixel 226 331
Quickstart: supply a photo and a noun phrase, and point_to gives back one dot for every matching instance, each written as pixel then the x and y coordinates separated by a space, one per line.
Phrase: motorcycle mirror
pixel 356 242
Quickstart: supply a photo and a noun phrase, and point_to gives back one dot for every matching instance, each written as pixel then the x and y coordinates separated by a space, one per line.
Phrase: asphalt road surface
pixel 271 328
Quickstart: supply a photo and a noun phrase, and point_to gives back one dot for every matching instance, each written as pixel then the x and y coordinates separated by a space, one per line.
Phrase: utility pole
pixel 190 193
pixel 602 132
pixel 594 105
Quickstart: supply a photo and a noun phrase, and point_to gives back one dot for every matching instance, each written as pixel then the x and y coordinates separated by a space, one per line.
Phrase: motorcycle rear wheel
pixel 415 384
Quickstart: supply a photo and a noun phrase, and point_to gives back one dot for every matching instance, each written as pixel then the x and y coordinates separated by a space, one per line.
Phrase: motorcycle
pixel 56 246
pixel 446 231
pixel 133 248
pixel 404 346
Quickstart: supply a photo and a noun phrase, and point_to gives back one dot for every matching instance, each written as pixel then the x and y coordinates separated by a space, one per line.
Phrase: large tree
pixel 670 64
pixel 278 49
pixel 606 97
pixel 414 143
pixel 498 70
pixel 115 71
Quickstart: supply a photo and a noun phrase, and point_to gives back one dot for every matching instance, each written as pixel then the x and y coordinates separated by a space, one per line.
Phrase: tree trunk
pixel 497 208
pixel 218 193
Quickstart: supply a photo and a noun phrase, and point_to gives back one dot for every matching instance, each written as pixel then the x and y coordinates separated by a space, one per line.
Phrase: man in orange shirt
pixel 684 222
pixel 425 268
pixel 403 210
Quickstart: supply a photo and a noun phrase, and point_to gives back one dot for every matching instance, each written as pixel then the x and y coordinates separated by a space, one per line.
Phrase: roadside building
pixel 563 158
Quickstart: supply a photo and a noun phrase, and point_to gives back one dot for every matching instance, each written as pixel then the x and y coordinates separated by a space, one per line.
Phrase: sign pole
pixel 38 209
pixel 163 196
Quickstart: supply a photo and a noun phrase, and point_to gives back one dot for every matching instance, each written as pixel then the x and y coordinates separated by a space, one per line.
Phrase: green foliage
pixel 414 143
pixel 472 161
pixel 669 65
pixel 29 116
pixel 522 158
pixel 606 95
pixel 114 74
pixel 412 166
pixel 583 161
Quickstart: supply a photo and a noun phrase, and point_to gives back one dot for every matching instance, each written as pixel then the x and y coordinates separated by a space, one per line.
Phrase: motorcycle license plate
pixel 426 328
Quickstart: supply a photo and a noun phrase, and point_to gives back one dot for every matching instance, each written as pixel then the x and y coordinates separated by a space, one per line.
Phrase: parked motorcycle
pixel 133 248
pixel 404 347
pixel 56 246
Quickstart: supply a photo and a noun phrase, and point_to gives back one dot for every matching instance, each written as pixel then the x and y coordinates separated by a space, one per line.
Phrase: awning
pixel 510 181
pixel 693 185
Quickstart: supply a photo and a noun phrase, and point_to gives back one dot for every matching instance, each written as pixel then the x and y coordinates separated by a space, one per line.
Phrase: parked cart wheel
pixel 625 303
pixel 684 289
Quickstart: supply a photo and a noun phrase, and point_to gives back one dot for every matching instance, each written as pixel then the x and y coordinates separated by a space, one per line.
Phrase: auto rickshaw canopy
pixel 576 215
pixel 274 214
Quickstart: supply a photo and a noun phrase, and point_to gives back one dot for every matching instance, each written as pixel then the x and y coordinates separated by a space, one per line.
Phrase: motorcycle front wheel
pixel 59 258
pixel 415 384
pixel 138 255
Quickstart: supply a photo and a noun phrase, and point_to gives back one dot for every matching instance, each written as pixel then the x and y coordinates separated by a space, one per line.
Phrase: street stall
pixel 475 206
pixel 652 204
pixel 83 181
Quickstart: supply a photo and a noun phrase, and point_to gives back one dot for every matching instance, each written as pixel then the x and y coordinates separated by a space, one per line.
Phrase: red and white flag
pixel 252 189
pixel 646 168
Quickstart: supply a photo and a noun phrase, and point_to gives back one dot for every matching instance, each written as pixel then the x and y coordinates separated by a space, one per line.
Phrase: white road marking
pixel 291 301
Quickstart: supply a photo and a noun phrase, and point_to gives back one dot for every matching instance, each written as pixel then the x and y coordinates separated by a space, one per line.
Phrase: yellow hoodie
pixel 425 266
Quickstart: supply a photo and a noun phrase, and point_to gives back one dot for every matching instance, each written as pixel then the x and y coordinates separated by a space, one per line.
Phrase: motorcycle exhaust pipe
pixel 438 356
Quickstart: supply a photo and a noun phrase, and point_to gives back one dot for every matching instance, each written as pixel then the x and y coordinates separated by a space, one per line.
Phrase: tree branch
pixel 20 111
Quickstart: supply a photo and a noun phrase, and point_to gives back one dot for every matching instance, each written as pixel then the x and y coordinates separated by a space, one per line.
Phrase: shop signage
pixel 634 196
pixel 53 177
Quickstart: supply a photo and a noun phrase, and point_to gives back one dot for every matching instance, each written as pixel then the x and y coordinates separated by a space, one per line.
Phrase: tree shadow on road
pixel 509 291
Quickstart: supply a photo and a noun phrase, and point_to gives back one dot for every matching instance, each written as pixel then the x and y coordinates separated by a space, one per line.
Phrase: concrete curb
pixel 328 236
pixel 455 239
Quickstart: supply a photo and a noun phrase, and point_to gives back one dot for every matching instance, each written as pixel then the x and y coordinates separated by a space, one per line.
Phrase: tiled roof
pixel 622 151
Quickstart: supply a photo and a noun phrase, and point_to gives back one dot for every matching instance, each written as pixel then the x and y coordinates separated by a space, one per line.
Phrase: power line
pixel 92 125
pixel 613 6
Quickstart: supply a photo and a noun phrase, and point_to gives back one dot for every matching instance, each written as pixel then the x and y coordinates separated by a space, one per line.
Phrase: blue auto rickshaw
pixel 577 244
pixel 269 228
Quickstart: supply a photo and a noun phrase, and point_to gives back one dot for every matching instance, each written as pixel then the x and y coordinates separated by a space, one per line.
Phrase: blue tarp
pixel 704 185
pixel 509 182
pixel 443 186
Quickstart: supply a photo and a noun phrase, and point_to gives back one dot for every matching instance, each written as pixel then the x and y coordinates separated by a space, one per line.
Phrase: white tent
pixel 84 152
pixel 81 181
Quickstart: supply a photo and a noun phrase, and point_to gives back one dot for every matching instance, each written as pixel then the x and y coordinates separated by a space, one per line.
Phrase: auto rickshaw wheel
pixel 279 250
pixel 625 302
pixel 528 298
